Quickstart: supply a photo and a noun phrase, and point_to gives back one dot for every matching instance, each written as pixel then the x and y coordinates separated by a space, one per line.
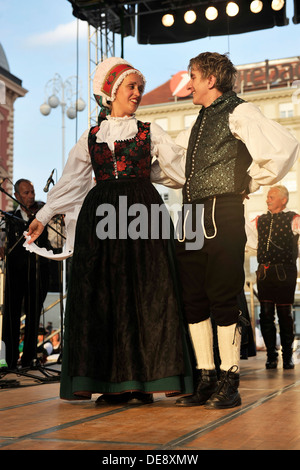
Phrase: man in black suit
pixel 27 279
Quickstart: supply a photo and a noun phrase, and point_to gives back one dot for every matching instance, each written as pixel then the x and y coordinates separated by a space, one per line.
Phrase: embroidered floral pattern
pixel 131 158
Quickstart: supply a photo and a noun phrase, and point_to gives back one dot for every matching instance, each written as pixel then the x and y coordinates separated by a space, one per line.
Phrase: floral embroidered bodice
pixel 130 159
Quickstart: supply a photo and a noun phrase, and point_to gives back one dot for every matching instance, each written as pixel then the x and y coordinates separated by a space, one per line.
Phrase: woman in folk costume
pixel 124 333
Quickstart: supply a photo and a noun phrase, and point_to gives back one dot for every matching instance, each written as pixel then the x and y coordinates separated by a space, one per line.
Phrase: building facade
pixel 10 89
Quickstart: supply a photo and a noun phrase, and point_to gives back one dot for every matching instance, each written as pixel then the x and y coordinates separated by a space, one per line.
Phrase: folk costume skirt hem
pixel 124 326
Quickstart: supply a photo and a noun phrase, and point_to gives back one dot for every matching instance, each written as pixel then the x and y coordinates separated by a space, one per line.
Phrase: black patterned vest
pixel 131 158
pixel 216 161
pixel 276 242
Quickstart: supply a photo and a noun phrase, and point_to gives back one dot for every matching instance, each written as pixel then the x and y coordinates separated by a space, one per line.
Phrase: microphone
pixel 49 181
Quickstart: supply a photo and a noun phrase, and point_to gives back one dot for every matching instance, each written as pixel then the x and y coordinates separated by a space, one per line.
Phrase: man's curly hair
pixel 218 65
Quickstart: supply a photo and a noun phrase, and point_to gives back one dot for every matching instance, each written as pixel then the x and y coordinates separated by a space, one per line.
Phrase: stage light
pixel 232 9
pixel 190 17
pixel 211 13
pixel 167 20
pixel 277 4
pixel 212 20
pixel 256 6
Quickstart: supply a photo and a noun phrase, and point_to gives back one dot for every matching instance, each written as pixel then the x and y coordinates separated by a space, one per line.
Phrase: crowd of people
pixel 145 314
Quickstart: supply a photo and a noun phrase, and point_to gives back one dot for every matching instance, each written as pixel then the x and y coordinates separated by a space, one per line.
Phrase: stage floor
pixel 34 418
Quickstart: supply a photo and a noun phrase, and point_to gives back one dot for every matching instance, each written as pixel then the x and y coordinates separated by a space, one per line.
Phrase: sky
pixel 39 38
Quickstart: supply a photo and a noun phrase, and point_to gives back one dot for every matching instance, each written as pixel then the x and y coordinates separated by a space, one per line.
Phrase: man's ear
pixel 211 81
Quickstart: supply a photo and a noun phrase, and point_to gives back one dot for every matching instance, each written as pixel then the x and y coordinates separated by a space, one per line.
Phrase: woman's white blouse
pixel 67 196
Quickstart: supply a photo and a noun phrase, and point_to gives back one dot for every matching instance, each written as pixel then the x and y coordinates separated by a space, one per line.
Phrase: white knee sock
pixel 229 339
pixel 202 337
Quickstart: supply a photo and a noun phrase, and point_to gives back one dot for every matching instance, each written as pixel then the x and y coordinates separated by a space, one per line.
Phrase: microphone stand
pixel 4 370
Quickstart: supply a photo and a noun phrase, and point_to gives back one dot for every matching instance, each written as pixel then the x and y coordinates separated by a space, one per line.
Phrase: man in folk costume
pixel 275 235
pixel 232 149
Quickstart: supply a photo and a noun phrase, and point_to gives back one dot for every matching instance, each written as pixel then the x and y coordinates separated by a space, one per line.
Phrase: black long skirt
pixel 124 327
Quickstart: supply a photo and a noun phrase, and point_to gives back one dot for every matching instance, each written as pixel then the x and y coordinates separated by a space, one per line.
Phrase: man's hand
pixel 245 196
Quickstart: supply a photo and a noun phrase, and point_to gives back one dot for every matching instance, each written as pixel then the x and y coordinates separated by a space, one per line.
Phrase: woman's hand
pixel 34 231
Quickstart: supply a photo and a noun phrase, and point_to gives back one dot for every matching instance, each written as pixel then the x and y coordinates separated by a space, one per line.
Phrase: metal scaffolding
pixel 101 45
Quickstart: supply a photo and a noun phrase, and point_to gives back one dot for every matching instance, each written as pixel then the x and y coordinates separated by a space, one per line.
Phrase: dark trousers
pixel 213 276
pixel 276 286
pixel 25 292
pixel 268 329
pixel 277 283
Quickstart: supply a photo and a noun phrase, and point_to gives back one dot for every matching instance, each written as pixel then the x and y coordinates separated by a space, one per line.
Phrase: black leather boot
pixel 139 398
pixel 286 326
pixel 113 399
pixel 207 384
pixel 227 394
pixel 268 331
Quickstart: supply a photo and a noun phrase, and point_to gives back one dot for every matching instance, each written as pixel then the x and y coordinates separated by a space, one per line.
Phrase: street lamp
pixel 62 93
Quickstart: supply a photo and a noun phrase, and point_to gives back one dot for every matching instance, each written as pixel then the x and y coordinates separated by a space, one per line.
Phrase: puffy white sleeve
pixel 66 197
pixel 296 225
pixel 251 233
pixel 273 148
pixel 183 137
pixel 168 167
pixel 74 184
pixel 296 229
